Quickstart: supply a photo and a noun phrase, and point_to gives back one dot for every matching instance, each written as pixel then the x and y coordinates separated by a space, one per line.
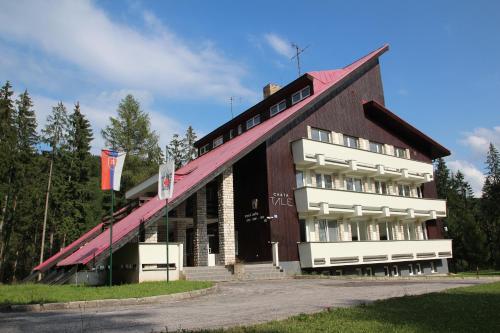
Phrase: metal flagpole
pixel 166 228
pixel 111 237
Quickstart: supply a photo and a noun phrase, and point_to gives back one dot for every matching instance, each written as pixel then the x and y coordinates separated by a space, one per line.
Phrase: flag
pixel 166 180
pixel 111 169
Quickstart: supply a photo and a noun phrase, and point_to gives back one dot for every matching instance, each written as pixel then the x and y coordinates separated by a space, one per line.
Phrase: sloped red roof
pixel 204 168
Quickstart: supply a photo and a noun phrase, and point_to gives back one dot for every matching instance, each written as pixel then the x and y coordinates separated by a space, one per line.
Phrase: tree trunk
pixel 51 242
pixel 46 211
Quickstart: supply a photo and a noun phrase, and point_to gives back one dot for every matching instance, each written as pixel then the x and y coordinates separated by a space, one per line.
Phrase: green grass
pixel 40 293
pixel 469 309
pixel 485 273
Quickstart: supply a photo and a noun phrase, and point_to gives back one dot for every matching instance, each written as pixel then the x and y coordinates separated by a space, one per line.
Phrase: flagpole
pixel 166 228
pixel 111 237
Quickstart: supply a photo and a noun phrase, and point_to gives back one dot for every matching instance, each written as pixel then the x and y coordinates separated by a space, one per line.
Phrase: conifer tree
pixel 189 152
pixel 175 151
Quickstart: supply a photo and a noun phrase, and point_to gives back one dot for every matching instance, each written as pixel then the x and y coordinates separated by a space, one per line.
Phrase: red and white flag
pixel 111 169
pixel 166 180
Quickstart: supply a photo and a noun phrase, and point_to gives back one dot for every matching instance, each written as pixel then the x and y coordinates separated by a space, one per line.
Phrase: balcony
pixel 337 158
pixel 319 201
pixel 322 254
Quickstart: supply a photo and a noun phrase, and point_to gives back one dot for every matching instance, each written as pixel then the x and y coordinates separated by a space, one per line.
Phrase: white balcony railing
pixel 320 155
pixel 323 254
pixel 327 201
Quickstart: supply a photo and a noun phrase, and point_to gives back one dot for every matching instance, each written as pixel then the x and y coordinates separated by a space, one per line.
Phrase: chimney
pixel 270 89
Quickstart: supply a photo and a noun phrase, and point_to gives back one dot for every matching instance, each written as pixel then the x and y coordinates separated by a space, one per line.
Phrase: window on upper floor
pixel 204 149
pixel 320 135
pixel 328 181
pixel 299 177
pixel 218 141
pixel 300 95
pixel 420 193
pixel 324 180
pixel 380 187
pixel 354 184
pixel 253 121
pixel 277 108
pixel 404 190
pixel 351 141
pixel 400 152
pixel 231 133
pixel 377 147
pixel 240 129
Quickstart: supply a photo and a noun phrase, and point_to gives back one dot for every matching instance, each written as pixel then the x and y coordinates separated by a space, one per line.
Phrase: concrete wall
pixel 152 260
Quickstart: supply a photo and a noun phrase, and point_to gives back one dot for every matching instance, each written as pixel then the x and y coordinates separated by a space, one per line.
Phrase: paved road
pixel 234 303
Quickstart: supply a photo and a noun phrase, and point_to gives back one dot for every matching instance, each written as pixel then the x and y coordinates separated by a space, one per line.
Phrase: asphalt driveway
pixel 235 303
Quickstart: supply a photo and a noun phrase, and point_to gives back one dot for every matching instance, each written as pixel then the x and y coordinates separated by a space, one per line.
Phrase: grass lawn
pixel 40 293
pixel 469 309
pixel 485 273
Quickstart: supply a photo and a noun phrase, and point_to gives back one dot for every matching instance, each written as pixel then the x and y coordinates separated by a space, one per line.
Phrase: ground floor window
pixel 368 271
pixel 386 271
pixel 418 268
pixel 433 267
pixel 395 270
pixel 410 269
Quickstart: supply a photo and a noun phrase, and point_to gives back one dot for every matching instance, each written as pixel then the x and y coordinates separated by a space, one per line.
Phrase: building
pixel 319 175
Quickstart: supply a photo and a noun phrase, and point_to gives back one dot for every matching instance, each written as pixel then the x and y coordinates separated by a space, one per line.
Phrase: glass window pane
pixel 319 183
pixel 306 92
pixel 299 176
pixel 315 134
pixel 333 232
pixel 322 230
pixel 349 184
pixel 328 181
pixel 296 97
pixel 357 185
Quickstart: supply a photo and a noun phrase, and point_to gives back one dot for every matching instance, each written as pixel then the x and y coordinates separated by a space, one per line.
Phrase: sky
pixel 184 60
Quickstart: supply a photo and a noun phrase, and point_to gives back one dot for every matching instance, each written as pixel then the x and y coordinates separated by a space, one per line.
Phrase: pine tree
pixel 189 152
pixel 442 178
pixel 175 151
pixel 490 207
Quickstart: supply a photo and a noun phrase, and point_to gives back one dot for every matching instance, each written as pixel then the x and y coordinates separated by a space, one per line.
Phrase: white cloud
pixel 479 139
pixel 99 108
pixel 84 36
pixel 280 45
pixel 472 174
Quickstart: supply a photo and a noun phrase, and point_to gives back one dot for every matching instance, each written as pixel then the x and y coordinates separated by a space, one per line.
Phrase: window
pixel 277 108
pixel 382 227
pixel 253 121
pixel 328 181
pixel 395 270
pixel 322 230
pixel 218 141
pixel 319 180
pixel 300 95
pixel 410 269
pixel 299 176
pixel 400 152
pixel 240 129
pixel 204 149
pixel 350 141
pixel 376 147
pixel 419 192
pixel 320 135
pixel 386 271
pixel 333 231
pixel 380 187
pixel 433 267
pixel 354 184
pixel 231 133
pixel 404 190
pixel 354 230
pixel 368 271
pixel 418 268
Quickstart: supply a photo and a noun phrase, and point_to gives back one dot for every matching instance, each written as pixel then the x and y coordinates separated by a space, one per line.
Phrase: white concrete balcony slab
pixel 326 254
pixel 324 202
pixel 338 158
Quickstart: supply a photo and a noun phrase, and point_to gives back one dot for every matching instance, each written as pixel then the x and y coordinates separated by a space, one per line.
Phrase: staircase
pixel 247 272
pixel 206 273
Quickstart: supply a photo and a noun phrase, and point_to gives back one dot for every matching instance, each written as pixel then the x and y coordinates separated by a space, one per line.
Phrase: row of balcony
pixel 332 254
pixel 324 156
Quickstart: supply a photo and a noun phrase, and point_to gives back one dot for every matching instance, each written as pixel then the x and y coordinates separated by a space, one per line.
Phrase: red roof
pixel 203 169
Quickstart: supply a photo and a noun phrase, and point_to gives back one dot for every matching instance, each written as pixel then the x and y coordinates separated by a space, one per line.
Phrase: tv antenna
pixel 298 51
pixel 231 102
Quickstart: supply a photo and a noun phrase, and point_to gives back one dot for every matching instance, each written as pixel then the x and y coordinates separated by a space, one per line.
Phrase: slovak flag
pixel 111 169
pixel 166 180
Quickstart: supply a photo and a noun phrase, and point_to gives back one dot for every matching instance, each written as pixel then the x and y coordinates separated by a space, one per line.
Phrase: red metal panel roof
pixel 204 166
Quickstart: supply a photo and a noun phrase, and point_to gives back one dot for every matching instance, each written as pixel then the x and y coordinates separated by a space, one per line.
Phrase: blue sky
pixel 184 59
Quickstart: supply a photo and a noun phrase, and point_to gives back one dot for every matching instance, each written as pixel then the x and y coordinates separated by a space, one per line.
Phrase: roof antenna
pixel 298 51
pixel 231 101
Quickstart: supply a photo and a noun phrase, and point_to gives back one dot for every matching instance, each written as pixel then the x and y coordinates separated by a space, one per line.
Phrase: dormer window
pixel 204 149
pixel 218 141
pixel 253 121
pixel 300 95
pixel 240 129
pixel 320 135
pixel 277 108
pixel 231 133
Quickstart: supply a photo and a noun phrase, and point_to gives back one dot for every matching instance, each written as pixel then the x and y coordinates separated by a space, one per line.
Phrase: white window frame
pixel 231 133
pixel 277 108
pixel 321 135
pixel 419 269
pixel 300 173
pixel 204 149
pixel 218 141
pixel 400 152
pixel 303 93
pixel 319 176
pixel 381 187
pixel 348 141
pixel 380 147
pixel 420 193
pixel 410 269
pixel 433 267
pixel 353 180
pixel 404 190
pixel 252 122
pixel 326 224
pixel 395 272
pixel 332 181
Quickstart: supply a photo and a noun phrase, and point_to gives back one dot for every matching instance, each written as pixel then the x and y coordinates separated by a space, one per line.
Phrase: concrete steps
pixel 245 272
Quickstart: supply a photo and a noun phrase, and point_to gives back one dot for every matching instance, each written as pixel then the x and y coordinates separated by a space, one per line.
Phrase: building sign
pixel 281 199
pixel 255 216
